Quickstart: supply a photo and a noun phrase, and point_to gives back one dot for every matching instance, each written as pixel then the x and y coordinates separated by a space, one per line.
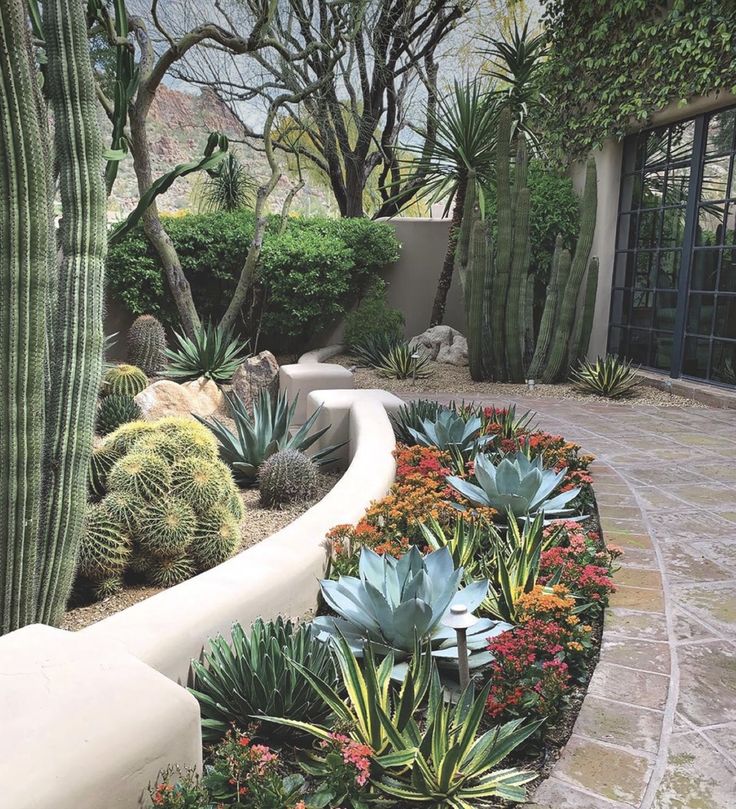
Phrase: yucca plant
pixel 229 187
pixel 369 705
pixel 370 351
pixel 514 566
pixel 451 431
pixel 411 415
pixel 447 765
pixel 609 376
pixel 266 432
pixel 518 484
pixel 213 352
pixel 256 674
pixel 396 601
pixel 403 362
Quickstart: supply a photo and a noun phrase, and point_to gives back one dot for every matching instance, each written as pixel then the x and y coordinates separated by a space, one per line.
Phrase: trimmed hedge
pixel 309 275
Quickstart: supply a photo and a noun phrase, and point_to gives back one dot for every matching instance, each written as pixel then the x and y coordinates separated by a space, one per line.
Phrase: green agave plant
pixel 451 431
pixel 396 601
pixel 371 350
pixel 518 484
pixel 447 764
pixel 256 674
pixel 410 416
pixel 266 432
pixel 608 376
pixel 400 362
pixel 212 352
pixel 467 542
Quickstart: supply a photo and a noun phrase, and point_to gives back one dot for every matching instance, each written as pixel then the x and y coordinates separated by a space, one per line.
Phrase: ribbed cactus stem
pixel 147 344
pixel 76 334
pixel 555 365
pixel 466 226
pixel 584 321
pixel 475 296
pixel 504 217
pixel 25 218
pixel 519 268
pixel 549 313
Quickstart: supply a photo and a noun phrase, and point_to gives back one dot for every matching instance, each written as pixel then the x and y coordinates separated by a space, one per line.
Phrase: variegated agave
pixel 396 602
pixel 518 484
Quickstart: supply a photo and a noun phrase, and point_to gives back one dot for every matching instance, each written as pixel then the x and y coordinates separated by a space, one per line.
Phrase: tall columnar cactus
pixel 52 310
pixel 147 344
pixel 584 323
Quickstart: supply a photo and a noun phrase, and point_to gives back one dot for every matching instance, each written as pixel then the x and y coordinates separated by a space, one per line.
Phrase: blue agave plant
pixel 396 602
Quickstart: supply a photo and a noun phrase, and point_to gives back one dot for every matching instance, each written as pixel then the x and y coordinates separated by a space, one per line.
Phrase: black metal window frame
pixel 628 251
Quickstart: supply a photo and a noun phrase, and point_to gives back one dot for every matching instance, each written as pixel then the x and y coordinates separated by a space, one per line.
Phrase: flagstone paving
pixel 658 727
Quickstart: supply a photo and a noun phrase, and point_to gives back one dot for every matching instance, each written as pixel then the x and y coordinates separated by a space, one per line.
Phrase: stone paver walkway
pixel 658 727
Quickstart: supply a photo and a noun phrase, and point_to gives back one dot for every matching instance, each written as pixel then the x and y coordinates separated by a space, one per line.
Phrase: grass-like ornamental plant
pixel 399 362
pixel 114 410
pixel 609 376
pixel 518 484
pixel 212 352
pixel 395 601
pixel 449 430
pixel 445 763
pixel 258 673
pixel 266 432
pixel 126 380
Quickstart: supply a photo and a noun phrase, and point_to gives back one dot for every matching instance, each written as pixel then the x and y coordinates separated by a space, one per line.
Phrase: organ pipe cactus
pixel 51 345
pixel 499 289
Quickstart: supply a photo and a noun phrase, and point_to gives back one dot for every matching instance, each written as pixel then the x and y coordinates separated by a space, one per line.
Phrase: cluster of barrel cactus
pixel 147 344
pixel 120 385
pixel 288 476
pixel 164 506
pixel 499 289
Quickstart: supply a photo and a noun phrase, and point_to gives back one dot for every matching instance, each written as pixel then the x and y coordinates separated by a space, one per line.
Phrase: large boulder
pixel 201 397
pixel 257 373
pixel 442 344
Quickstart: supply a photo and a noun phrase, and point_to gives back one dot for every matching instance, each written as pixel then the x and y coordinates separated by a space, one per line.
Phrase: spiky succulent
pixel 254 675
pixel 114 410
pixel 212 352
pixel 100 463
pixel 125 509
pixel 411 415
pixel 403 362
pixel 288 476
pixel 518 484
pixel 449 430
pixel 124 379
pixel 169 572
pixel 147 344
pixel 166 527
pixel 126 436
pixel 142 473
pixel 201 483
pixel 216 538
pixel 396 602
pixel 371 350
pixel 609 376
pixel 105 548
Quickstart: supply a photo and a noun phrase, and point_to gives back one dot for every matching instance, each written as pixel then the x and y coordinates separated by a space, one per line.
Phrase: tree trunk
pixel 154 229
pixel 443 285
pixel 354 187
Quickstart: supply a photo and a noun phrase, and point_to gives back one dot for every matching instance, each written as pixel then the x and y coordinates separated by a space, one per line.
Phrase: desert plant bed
pixel 444 378
pixel 490 526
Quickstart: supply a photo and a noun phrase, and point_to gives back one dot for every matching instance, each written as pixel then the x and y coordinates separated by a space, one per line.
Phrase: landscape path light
pixel 461 619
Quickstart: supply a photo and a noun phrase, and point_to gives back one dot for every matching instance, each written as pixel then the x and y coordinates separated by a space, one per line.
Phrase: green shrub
pixel 373 318
pixel 309 274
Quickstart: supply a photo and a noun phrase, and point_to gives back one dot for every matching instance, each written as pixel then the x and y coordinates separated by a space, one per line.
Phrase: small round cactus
pixel 201 483
pixel 147 344
pixel 125 437
pixel 125 509
pixel 286 477
pixel 114 410
pixel 166 527
pixel 191 437
pixel 168 572
pixel 216 539
pixel 105 548
pixel 141 473
pixel 126 379
pixel 107 587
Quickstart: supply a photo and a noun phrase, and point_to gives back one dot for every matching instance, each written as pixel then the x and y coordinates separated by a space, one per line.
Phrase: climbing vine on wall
pixel 614 62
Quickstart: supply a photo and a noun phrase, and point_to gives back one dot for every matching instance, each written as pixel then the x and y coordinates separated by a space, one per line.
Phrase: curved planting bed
pixel 487 538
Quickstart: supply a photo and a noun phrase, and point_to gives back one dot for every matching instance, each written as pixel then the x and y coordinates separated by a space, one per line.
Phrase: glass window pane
pixel 714 183
pixel 673 227
pixel 616 340
pixel 620 304
pixel 645 270
pixel 648 229
pixel 631 192
pixel 665 306
pixel 681 142
pixel 652 193
pixel 710 223
pixel 638 347
pixel 668 269
pixel 695 362
pixel 705 268
pixel 700 314
pixel 661 351
pixel 642 308
pixel 676 187
pixel 727 277
pixel 720 132
pixel 725 325
pixel 729 235
pixel 723 367
pixel 655 146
